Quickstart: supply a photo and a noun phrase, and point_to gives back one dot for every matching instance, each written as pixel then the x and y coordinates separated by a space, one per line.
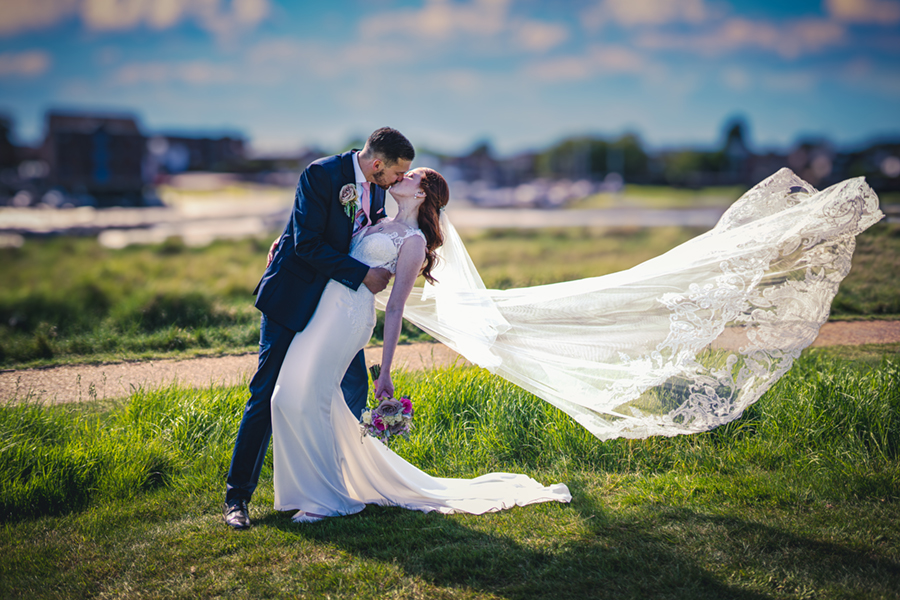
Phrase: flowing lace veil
pixel 679 344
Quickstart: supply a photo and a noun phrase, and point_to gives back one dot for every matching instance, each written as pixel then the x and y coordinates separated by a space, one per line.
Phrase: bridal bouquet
pixel 389 419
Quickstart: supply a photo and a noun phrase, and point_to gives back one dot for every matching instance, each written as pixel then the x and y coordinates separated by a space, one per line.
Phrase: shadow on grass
pixel 656 552
pixel 610 557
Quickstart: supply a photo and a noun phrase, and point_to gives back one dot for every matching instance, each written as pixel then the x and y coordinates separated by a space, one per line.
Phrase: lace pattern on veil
pixel 679 344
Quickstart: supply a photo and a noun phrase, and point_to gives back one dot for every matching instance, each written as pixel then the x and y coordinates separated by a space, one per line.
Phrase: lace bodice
pixel 378 249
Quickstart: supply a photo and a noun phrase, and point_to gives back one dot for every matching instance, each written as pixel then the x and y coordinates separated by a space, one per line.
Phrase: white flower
pixel 349 199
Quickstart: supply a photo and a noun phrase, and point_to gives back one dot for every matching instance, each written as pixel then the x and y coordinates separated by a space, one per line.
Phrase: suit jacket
pixel 314 245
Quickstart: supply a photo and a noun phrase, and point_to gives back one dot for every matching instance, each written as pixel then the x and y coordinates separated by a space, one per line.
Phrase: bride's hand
pixel 384 387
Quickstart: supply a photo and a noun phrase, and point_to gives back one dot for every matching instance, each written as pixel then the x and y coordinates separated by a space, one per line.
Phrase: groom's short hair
pixel 390 145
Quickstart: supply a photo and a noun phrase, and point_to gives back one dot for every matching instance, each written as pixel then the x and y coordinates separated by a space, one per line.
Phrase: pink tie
pixel 361 214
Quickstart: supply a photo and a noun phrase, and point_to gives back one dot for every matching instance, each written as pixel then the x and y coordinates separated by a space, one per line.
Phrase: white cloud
pixel 213 15
pixel 443 21
pixel 24 64
pixel 193 73
pixel 103 15
pixel 537 36
pixel 217 16
pixel 863 73
pixel 736 79
pixel 885 12
pixel 281 59
pixel 789 40
pixel 630 13
pixel 464 82
pixel 28 15
pixel 598 60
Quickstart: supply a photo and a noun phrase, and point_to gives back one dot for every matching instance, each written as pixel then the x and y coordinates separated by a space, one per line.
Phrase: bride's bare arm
pixel 409 264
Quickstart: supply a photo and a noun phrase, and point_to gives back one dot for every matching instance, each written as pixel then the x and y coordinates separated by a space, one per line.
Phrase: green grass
pixel 66 300
pixel 867 290
pixel 508 258
pixel 653 196
pixel 70 297
pixel 797 499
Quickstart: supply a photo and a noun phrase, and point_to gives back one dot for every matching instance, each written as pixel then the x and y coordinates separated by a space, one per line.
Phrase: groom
pixel 311 251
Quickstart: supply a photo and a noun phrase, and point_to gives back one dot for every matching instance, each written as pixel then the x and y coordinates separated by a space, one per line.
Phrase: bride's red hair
pixel 437 194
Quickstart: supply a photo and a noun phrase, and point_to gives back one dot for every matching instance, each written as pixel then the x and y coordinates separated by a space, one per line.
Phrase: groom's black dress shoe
pixel 237 515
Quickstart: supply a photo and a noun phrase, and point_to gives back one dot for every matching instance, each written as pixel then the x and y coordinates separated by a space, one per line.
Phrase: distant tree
pixel 634 159
pixel 580 157
pixel 572 157
pixel 482 149
pixel 734 147
pixel 735 134
pixel 686 167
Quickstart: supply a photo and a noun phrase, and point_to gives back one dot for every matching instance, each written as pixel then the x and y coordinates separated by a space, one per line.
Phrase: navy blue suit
pixel 311 251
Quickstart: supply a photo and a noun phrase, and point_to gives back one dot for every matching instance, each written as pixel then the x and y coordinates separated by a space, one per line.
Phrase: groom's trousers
pixel 255 431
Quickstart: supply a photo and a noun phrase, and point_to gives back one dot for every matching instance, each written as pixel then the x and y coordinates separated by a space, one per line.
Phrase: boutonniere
pixel 349 199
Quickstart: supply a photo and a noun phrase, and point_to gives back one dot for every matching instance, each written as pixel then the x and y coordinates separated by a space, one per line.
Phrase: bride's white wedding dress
pixel 322 464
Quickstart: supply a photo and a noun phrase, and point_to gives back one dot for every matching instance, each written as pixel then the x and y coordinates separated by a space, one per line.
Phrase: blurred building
pixel 179 153
pixel 8 158
pixel 8 161
pixel 98 155
pixel 103 159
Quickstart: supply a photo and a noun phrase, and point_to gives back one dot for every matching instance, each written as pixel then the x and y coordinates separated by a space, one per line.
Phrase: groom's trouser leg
pixel 355 385
pixel 253 436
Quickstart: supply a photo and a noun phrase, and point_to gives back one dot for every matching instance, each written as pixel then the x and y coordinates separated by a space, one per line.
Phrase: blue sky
pixel 450 73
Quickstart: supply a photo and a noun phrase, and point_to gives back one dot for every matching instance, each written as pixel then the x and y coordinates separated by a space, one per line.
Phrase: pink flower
pixel 377 423
pixel 407 405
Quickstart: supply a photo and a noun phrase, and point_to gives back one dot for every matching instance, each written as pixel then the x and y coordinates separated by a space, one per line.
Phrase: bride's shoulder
pixel 414 232
pixel 414 236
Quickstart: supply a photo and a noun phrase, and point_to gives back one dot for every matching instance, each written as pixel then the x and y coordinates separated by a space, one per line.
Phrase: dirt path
pixel 114 380
pixel 86 382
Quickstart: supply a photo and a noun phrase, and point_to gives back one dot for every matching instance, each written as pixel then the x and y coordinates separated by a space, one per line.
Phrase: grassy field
pixel 72 300
pixel 654 196
pixel 799 498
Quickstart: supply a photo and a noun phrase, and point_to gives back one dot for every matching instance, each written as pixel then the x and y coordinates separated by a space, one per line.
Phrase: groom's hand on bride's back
pixel 377 279
pixel 272 250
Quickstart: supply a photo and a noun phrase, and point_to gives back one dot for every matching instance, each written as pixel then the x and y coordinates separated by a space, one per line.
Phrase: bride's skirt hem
pixel 558 492
pixel 444 510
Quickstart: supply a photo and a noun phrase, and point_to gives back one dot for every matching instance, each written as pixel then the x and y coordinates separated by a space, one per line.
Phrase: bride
pixel 323 467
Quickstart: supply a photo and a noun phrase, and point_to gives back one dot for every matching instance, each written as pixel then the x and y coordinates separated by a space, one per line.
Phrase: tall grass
pixel 57 459
pixel 796 499
pixel 834 426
